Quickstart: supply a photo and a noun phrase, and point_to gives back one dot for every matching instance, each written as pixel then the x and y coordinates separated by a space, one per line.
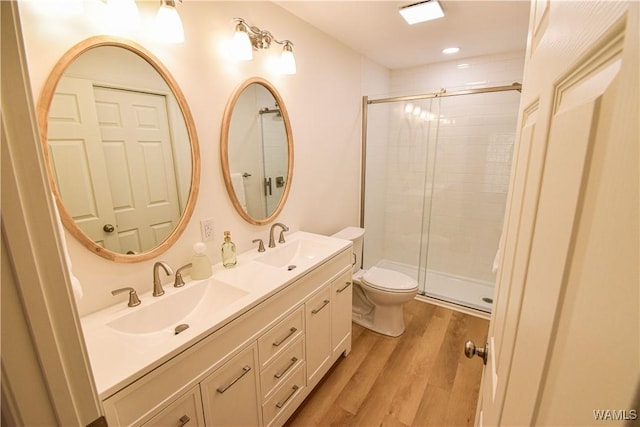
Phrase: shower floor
pixel 455 289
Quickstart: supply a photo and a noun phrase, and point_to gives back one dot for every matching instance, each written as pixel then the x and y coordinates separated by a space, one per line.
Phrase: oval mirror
pixel 121 149
pixel 257 151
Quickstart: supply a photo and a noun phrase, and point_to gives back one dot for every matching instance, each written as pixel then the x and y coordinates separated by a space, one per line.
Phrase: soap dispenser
pixel 200 264
pixel 228 251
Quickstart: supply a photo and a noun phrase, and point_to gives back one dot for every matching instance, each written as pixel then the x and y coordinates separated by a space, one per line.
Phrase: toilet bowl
pixel 378 293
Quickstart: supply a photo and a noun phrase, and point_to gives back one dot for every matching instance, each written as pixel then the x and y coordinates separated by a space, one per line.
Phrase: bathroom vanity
pixel 260 337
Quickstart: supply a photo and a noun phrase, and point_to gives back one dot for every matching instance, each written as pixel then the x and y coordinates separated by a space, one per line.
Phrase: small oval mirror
pixel 257 151
pixel 121 149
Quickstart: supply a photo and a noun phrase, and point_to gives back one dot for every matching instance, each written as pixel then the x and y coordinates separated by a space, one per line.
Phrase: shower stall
pixel 436 170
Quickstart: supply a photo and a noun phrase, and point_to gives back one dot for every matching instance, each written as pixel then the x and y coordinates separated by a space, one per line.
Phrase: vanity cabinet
pixel 257 368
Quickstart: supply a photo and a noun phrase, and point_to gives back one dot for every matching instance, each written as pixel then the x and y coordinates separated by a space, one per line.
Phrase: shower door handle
pixel 267 186
pixel 471 350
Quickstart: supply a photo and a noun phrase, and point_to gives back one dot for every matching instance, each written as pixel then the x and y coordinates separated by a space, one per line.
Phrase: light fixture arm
pixel 260 39
pixel 170 3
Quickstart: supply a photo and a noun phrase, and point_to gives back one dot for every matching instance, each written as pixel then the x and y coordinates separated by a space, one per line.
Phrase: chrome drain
pixel 488 300
pixel 181 328
pixel 291 267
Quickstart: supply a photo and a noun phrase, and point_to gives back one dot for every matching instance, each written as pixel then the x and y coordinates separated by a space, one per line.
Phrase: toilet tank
pixel 356 235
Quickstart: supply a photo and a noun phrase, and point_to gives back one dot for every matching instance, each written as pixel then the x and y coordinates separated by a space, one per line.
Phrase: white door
pixel 564 335
pixel 78 162
pixel 139 161
pixel 112 157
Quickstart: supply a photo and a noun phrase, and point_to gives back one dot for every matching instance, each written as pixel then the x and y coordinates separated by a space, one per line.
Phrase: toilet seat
pixel 389 281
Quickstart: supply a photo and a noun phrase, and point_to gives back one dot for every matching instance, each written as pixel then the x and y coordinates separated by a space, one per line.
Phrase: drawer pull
pixel 284 371
pixel 283 402
pixel 244 372
pixel 292 331
pixel 184 420
pixel 317 310
pixel 345 287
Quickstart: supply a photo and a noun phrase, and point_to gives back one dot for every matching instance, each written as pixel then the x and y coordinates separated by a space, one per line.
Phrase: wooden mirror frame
pixel 42 110
pixel 224 150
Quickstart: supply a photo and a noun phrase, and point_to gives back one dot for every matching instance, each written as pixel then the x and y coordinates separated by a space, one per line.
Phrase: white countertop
pixel 119 358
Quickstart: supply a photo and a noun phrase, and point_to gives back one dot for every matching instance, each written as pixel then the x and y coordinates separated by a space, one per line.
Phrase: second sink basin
pixel 169 310
pixel 302 251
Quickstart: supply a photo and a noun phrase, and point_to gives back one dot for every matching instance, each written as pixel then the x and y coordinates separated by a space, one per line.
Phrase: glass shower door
pixel 470 180
pixel 396 178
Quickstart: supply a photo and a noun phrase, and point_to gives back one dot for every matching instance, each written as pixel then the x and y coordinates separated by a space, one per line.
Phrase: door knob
pixel 470 350
pixel 108 228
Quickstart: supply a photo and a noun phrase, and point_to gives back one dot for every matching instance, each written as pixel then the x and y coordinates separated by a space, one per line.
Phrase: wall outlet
pixel 206 229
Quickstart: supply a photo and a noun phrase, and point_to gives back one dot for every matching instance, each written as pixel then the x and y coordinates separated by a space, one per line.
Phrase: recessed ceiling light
pixel 421 11
pixel 450 50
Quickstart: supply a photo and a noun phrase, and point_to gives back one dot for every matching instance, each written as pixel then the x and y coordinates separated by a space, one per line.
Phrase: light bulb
pixel 241 45
pixel 287 61
pixel 450 50
pixel 168 24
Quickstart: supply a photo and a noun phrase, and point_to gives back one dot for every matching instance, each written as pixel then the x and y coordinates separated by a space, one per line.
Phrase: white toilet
pixel 378 293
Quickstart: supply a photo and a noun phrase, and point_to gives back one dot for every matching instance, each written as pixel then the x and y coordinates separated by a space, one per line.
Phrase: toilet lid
pixel 389 280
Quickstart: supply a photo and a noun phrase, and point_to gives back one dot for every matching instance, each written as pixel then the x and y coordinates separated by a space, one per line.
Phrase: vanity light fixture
pixel 421 11
pixel 248 37
pixel 168 23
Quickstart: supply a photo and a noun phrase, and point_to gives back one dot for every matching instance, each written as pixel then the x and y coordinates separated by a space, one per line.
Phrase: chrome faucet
pixel 272 243
pixel 157 284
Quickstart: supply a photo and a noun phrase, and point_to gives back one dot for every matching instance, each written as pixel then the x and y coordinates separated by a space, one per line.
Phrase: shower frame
pixel 366 101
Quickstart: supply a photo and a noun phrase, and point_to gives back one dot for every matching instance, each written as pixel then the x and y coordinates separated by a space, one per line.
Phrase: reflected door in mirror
pixel 113 164
pixel 274 154
pixel 121 148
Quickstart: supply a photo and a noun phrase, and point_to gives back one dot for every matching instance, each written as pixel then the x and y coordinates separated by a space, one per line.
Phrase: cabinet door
pixel 318 333
pixel 230 394
pixel 341 309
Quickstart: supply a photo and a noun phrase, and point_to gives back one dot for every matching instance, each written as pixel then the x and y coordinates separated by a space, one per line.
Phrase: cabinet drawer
pixel 282 366
pixel 279 337
pixel 186 411
pixel 230 394
pixel 285 396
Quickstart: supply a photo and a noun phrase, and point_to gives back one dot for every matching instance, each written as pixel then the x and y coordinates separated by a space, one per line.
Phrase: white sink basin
pixel 168 311
pixel 295 254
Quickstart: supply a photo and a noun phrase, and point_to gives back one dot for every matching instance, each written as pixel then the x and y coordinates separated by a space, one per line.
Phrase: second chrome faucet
pixel 272 242
pixel 157 284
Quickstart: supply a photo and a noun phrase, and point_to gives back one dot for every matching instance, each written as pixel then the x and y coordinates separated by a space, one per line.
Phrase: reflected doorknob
pixel 470 350
pixel 108 228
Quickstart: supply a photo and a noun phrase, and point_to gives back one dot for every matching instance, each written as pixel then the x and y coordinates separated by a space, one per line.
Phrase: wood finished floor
pixel 421 378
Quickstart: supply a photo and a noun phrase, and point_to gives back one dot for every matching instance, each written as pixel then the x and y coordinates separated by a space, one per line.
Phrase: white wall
pixel 323 100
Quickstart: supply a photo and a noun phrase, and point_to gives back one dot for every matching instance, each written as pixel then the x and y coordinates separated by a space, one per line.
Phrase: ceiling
pixel 376 30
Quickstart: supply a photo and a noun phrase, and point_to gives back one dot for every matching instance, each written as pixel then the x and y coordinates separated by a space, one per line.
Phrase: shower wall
pixel 470 183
